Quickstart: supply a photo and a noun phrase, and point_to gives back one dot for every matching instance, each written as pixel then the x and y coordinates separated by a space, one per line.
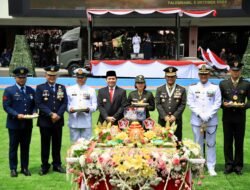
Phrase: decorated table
pixel 132 157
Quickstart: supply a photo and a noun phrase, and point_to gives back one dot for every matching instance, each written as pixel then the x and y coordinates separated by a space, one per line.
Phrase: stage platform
pixel 187 67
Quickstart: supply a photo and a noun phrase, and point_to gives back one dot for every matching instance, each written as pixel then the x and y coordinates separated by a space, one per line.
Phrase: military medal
pixel 177 95
pixel 45 95
pixel 60 93
pixel 210 93
pixel 86 96
pixel 168 90
pixel 235 97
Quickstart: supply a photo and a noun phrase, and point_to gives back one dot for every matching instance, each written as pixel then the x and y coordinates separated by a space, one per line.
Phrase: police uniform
pixel 145 96
pixel 111 108
pixel 204 100
pixel 19 100
pixel 234 120
pixel 171 102
pixel 80 123
pixel 51 98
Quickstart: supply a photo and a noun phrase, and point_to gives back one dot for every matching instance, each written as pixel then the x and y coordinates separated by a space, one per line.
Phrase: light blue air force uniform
pixel 80 123
pixel 204 100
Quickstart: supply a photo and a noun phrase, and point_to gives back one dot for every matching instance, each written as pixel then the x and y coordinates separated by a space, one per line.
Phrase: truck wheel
pixel 72 68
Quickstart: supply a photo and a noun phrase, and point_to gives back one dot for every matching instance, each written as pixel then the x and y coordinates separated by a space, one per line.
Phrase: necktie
pixel 22 90
pixel 52 89
pixel 111 94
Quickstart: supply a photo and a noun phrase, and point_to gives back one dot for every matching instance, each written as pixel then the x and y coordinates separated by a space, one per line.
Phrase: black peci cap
pixel 110 74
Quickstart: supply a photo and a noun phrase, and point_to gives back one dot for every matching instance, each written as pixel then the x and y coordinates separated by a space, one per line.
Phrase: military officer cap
pixel 235 65
pixel 81 72
pixel 139 79
pixel 170 71
pixel 20 72
pixel 110 74
pixel 51 70
pixel 204 69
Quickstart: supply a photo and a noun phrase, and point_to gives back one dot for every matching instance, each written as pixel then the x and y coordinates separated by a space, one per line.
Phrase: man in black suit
pixel 18 101
pixel 51 100
pixel 111 100
pixel 171 101
pixel 234 90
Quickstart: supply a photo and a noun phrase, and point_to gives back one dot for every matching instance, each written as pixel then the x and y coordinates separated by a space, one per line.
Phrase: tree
pixel 22 56
pixel 246 61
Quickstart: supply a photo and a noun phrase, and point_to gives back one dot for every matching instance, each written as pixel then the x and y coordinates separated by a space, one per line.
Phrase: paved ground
pixel 4 72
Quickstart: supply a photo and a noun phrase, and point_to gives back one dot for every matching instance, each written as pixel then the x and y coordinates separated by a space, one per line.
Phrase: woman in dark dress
pixel 140 95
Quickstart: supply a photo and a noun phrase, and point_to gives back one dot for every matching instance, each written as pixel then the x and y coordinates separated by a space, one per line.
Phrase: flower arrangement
pixel 133 158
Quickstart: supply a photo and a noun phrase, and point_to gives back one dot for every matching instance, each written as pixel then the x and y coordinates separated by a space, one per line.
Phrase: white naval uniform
pixel 204 100
pixel 136 44
pixel 80 123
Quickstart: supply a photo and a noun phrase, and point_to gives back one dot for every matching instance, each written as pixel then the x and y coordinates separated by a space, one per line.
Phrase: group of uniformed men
pixel 52 100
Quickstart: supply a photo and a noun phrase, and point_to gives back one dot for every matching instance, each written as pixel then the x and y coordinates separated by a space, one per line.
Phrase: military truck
pixel 73 50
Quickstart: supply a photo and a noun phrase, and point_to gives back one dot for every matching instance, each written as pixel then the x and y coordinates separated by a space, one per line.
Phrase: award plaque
pixel 135 113
pixel 33 116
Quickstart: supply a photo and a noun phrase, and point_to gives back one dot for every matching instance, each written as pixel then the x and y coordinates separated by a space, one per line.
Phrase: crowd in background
pixel 44 45
pixel 227 56
pixel 5 57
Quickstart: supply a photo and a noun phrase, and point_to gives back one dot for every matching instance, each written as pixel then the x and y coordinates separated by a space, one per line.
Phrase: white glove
pixel 204 117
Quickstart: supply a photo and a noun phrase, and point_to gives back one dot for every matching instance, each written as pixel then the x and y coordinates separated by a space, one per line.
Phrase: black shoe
pixel 238 170
pixel 25 172
pixel 13 173
pixel 59 169
pixel 43 171
pixel 228 170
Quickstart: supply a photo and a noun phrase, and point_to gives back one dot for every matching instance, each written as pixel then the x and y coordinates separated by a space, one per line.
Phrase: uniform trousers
pixel 234 131
pixel 136 48
pixel 51 134
pixel 210 143
pixel 76 133
pixel 22 137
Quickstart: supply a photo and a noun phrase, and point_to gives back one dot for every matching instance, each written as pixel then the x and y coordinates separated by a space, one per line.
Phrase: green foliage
pixel 246 61
pixel 56 181
pixel 21 56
